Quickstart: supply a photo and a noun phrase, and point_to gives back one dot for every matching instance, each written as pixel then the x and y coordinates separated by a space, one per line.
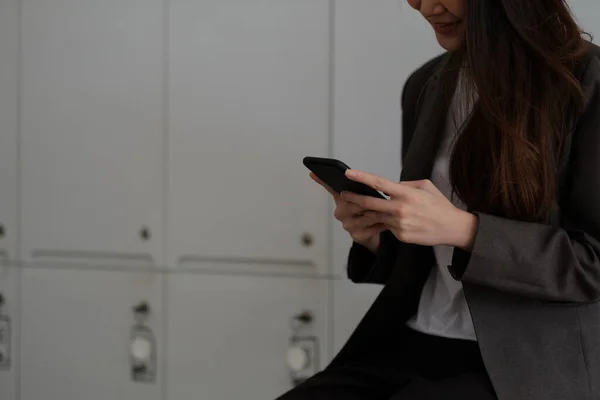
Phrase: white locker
pixel 9 274
pixel 92 130
pixel 248 99
pixel 9 53
pixel 228 336
pixel 76 334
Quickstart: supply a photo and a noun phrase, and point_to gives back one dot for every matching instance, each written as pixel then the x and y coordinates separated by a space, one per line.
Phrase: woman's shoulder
pixel 432 66
pixel 593 49
pixel 419 77
pixel 588 71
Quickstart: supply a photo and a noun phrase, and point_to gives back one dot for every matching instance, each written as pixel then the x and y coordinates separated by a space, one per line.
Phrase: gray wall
pixel 150 151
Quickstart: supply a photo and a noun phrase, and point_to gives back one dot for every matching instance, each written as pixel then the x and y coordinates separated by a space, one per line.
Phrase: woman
pixel 489 246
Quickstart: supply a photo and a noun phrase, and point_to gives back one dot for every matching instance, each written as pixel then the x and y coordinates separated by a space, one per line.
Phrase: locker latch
pixel 142 347
pixel 5 337
pixel 303 350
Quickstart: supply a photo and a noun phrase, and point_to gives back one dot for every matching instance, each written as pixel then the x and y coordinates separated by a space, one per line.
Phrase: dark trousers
pixel 416 366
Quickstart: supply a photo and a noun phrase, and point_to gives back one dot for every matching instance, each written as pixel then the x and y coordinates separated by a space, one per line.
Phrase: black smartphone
pixel 333 173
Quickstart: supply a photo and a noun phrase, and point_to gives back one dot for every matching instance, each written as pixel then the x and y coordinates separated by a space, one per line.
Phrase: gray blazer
pixel 533 289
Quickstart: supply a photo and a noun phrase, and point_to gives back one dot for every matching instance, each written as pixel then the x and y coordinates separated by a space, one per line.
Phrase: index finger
pixel 377 182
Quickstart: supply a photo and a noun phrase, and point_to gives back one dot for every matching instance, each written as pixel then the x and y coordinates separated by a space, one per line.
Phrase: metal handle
pixel 301 321
pixel 307 239
pixel 145 233
pixel 142 309
pixel 305 317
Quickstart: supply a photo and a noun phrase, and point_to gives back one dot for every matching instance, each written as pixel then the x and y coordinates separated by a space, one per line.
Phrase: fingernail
pixel 344 194
pixel 350 173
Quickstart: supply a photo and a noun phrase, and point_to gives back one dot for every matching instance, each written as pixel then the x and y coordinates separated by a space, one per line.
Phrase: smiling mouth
pixel 447 29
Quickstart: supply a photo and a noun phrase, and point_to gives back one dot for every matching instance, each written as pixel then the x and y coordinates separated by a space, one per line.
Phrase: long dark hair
pixel 521 57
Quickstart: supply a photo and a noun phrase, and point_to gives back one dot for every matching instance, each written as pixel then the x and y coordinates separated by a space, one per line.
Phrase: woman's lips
pixel 446 29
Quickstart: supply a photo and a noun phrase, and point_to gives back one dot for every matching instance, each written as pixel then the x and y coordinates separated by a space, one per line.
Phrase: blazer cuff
pixel 461 258
pixel 460 261
pixel 364 266
pixel 361 262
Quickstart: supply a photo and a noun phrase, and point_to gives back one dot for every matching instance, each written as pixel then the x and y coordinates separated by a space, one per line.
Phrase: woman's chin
pixel 449 43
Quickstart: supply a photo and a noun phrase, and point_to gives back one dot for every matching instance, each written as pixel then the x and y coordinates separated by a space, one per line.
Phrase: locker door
pixel 9 274
pixel 228 336
pixel 76 334
pixel 92 130
pixel 9 42
pixel 248 89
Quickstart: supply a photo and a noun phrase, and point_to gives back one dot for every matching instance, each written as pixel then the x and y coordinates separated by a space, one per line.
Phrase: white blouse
pixel 443 309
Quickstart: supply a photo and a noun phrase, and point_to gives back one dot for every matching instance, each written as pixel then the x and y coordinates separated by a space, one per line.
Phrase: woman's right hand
pixel 363 230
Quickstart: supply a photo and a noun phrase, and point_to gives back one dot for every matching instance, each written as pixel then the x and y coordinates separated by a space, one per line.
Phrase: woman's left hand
pixel 417 212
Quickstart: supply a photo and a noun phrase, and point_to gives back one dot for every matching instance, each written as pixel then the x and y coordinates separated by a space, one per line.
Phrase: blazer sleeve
pixel 558 263
pixel 364 266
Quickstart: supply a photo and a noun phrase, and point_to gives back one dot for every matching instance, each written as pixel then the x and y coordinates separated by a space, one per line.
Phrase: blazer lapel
pixel 430 126
pixel 414 262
